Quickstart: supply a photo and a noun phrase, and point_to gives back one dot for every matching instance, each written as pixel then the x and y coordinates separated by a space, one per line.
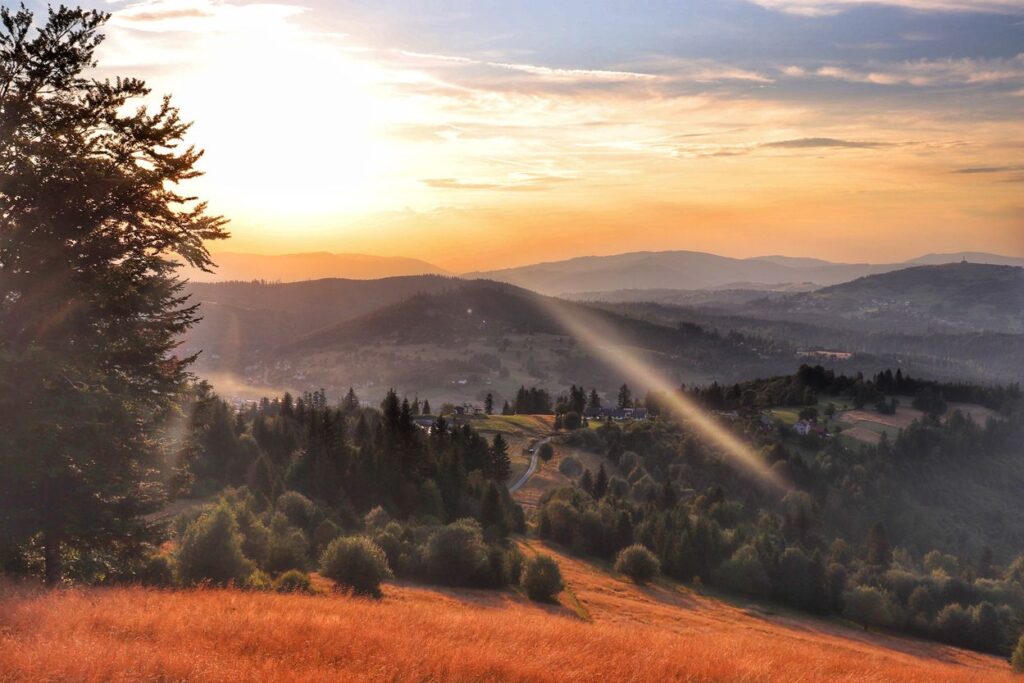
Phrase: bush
pixel 212 550
pixel 1018 656
pixel 570 467
pixel 259 581
pixel 638 563
pixel 288 547
pixel 157 570
pixel 325 532
pixel 546 451
pixel 356 562
pixel 542 580
pixel 293 581
pixel 297 508
pixel 455 554
pixel 377 518
pixel 744 573
pixel 867 606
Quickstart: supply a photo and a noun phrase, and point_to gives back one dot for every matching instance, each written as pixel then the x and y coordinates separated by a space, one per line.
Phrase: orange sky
pixel 320 134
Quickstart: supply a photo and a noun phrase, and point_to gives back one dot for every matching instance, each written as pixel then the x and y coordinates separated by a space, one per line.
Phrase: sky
pixel 486 134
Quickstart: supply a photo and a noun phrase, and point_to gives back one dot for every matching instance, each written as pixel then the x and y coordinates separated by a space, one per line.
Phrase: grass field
pixel 603 628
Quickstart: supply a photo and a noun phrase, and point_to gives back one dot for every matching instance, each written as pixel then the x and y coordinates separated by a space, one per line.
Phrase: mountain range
pixel 689 270
pixel 587 276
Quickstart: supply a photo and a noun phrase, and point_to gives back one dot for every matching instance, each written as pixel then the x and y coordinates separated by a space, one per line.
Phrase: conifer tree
pixel 499 466
pixel 625 397
pixel 93 227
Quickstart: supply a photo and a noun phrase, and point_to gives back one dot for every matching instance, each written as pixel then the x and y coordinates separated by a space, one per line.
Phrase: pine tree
pixel 93 228
pixel 878 550
pixel 492 511
pixel 587 482
pixel 426 407
pixel 506 409
pixel 594 404
pixel 489 404
pixel 625 397
pixel 499 467
pixel 350 403
pixel 601 483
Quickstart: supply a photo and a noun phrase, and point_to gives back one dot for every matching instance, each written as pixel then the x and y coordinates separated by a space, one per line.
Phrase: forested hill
pixel 244 320
pixel 488 311
pixel 967 297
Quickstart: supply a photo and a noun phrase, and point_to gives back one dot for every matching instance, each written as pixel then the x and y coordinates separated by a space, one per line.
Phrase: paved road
pixel 531 469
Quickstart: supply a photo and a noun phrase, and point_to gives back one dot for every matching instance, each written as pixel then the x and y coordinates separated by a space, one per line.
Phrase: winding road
pixel 532 468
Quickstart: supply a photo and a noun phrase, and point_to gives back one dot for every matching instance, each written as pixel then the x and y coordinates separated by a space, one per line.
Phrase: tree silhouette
pixel 93 229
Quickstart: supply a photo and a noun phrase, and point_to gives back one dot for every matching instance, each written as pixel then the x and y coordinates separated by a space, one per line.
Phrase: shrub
pixel 542 580
pixel 212 550
pixel 377 518
pixel 867 606
pixel 638 563
pixel 293 581
pixel 325 532
pixel 953 624
pixel 297 508
pixel 1018 656
pixel 288 547
pixel 744 573
pixel 356 562
pixel 455 554
pixel 157 570
pixel 570 467
pixel 259 581
pixel 563 521
pixel 546 451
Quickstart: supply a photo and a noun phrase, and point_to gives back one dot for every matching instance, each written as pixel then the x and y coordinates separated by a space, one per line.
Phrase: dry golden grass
pixel 660 633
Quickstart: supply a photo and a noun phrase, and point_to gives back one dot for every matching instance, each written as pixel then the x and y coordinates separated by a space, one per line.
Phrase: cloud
pixel 990 169
pixel 810 143
pixel 543 72
pixel 512 182
pixel 821 8
pixel 923 73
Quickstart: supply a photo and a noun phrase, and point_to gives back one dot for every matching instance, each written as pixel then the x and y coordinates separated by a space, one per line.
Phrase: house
pixel 620 413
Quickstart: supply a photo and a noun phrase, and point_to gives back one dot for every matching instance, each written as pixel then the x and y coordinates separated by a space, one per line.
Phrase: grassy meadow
pixel 604 628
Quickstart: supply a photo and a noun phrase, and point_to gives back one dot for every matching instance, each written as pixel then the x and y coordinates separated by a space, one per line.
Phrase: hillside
pixel 309 266
pixel 694 270
pixel 244 321
pixel 604 628
pixel 955 297
pixel 487 337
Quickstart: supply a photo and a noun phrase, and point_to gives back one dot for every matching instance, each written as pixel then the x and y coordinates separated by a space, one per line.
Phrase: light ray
pixel 589 329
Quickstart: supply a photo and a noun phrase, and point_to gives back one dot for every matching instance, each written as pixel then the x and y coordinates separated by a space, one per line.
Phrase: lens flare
pixel 589 328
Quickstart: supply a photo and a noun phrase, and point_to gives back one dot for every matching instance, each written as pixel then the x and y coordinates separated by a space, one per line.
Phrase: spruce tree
pixel 601 483
pixel 499 466
pixel 625 397
pixel 93 227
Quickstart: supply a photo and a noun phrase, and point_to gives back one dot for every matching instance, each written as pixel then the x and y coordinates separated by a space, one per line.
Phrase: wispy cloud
pixel 811 143
pixel 819 8
pixel 970 170
pixel 922 73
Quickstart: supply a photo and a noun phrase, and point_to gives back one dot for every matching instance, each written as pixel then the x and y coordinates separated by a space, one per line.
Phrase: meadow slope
pixel 603 629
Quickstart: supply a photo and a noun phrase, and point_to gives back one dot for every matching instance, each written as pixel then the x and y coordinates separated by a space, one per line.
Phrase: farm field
pixel 603 628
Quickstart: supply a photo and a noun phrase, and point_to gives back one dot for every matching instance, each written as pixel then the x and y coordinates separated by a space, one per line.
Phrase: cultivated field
pixel 603 629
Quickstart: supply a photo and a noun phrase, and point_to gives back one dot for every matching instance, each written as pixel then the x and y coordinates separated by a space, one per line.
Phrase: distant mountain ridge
pixel 949 298
pixel 309 266
pixel 690 270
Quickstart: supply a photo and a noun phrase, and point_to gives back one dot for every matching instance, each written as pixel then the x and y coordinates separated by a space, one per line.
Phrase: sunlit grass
pixel 660 633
